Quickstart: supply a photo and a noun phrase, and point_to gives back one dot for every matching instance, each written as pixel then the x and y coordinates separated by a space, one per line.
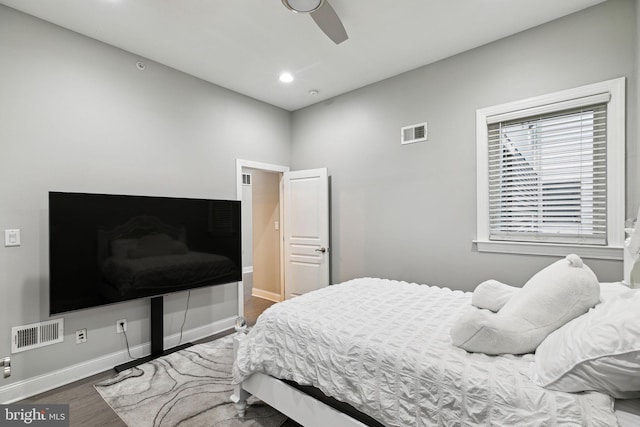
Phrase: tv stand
pixel 157 337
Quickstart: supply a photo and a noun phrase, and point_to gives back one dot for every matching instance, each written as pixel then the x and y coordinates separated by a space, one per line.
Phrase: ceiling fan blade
pixel 329 23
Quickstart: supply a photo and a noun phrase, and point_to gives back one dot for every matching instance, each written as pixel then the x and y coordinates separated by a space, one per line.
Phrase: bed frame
pixel 292 402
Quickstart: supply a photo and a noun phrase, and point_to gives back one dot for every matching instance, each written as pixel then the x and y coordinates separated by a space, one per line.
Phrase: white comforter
pixel 384 347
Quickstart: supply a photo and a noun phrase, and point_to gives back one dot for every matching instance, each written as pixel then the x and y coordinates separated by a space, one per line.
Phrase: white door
pixel 306 231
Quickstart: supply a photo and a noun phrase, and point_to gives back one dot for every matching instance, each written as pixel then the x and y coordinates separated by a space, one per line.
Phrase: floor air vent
pixel 36 335
pixel 413 133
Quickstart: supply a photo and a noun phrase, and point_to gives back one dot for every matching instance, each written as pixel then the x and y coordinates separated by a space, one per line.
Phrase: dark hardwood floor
pixel 253 307
pixel 86 406
pixel 88 409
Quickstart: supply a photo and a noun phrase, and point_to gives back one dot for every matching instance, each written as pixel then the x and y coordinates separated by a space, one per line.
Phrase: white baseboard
pixel 36 385
pixel 260 293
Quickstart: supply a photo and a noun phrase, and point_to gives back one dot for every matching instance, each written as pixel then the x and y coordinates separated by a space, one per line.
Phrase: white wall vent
pixel 36 335
pixel 413 133
pixel 246 179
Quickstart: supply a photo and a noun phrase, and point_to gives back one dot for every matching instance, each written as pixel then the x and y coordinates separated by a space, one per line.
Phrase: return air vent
pixel 246 179
pixel 36 335
pixel 413 133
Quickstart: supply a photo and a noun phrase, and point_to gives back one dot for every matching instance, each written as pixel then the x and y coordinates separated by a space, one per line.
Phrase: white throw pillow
pixel 492 295
pixel 599 350
pixel 553 296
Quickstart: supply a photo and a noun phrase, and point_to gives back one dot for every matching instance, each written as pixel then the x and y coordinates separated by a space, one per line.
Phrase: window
pixel 551 173
pixel 547 177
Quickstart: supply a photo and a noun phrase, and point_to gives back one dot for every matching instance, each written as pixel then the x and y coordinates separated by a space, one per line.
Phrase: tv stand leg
pixel 157 326
pixel 157 338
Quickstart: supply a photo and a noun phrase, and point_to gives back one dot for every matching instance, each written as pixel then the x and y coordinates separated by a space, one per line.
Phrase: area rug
pixel 188 388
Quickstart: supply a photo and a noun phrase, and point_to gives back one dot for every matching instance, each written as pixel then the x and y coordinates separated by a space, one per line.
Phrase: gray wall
pixel 409 212
pixel 76 115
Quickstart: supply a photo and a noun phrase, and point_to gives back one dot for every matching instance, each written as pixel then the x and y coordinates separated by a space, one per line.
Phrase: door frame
pixel 241 163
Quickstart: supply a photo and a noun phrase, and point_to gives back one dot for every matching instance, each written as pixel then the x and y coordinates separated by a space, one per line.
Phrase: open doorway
pixel 295 255
pixel 259 191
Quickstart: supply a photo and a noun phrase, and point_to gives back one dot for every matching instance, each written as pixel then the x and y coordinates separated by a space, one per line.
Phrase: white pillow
pixel 555 295
pixel 612 290
pixel 599 350
pixel 492 295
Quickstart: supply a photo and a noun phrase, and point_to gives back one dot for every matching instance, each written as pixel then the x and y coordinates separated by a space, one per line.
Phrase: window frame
pixel 615 88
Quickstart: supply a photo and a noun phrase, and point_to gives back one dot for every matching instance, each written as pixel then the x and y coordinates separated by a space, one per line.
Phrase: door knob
pixel 323 250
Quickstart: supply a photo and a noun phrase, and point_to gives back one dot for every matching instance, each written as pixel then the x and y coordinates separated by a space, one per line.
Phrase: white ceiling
pixel 244 45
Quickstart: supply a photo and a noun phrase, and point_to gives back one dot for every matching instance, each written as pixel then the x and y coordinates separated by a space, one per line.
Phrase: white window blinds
pixel 548 173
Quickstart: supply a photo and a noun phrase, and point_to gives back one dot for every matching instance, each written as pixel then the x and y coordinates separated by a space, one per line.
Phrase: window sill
pixel 550 249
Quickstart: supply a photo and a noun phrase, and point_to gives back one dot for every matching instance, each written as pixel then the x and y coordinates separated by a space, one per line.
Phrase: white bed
pixel 384 347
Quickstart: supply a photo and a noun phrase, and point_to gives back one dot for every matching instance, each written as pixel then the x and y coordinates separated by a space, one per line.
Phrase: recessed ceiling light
pixel 286 78
pixel 303 6
pixel 314 92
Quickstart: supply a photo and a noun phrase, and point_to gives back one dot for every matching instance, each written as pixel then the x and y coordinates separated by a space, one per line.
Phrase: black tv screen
pixel 105 249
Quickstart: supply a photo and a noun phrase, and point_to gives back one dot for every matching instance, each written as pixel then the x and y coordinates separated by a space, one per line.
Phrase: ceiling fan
pixel 324 16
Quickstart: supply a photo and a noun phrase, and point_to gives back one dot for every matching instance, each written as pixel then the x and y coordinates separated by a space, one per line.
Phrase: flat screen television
pixel 105 249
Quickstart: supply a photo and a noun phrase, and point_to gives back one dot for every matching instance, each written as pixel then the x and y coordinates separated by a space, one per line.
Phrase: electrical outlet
pixel 121 326
pixel 81 336
pixel 6 367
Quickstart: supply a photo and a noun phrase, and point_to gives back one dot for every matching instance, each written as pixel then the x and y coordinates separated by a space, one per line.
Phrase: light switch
pixel 12 237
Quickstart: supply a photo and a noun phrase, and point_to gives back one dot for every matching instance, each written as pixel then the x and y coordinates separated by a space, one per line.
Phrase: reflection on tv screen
pixel 111 248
